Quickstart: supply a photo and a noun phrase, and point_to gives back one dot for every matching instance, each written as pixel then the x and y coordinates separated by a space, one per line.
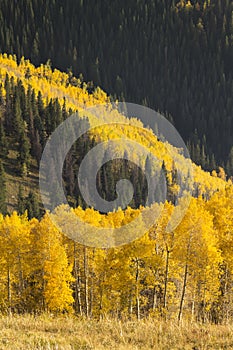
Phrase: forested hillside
pixel 111 237
pixel 183 274
pixel 34 101
pixel 174 56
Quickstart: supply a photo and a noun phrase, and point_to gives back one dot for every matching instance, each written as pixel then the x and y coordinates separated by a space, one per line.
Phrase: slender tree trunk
pixel 43 304
pixel 225 295
pixel 166 279
pixel 9 290
pixel 21 280
pixel 137 290
pixel 75 276
pixel 101 302
pixel 204 302
pixel 183 292
pixel 130 310
pixel 185 278
pixel 193 308
pixel 86 280
pixel 78 300
pixel 91 297
pixel 154 304
pixel 92 285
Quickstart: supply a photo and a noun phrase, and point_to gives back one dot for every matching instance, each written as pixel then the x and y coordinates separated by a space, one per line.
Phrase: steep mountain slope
pixel 148 271
pixel 172 55
pixel 36 100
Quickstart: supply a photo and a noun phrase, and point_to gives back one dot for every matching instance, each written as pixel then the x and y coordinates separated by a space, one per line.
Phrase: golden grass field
pixel 47 332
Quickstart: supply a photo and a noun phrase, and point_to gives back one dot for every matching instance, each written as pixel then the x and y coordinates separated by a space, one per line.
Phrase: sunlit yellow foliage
pixel 55 84
pixel 171 273
pixel 51 83
pixel 52 260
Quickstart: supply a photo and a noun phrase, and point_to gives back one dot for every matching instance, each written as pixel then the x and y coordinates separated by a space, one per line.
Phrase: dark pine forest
pixel 173 56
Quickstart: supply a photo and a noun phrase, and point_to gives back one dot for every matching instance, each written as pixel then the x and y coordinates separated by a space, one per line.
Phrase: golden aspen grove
pixel 175 278
pixel 116 175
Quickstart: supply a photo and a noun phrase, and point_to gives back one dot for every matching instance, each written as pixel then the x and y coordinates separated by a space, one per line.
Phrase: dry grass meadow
pixel 47 332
